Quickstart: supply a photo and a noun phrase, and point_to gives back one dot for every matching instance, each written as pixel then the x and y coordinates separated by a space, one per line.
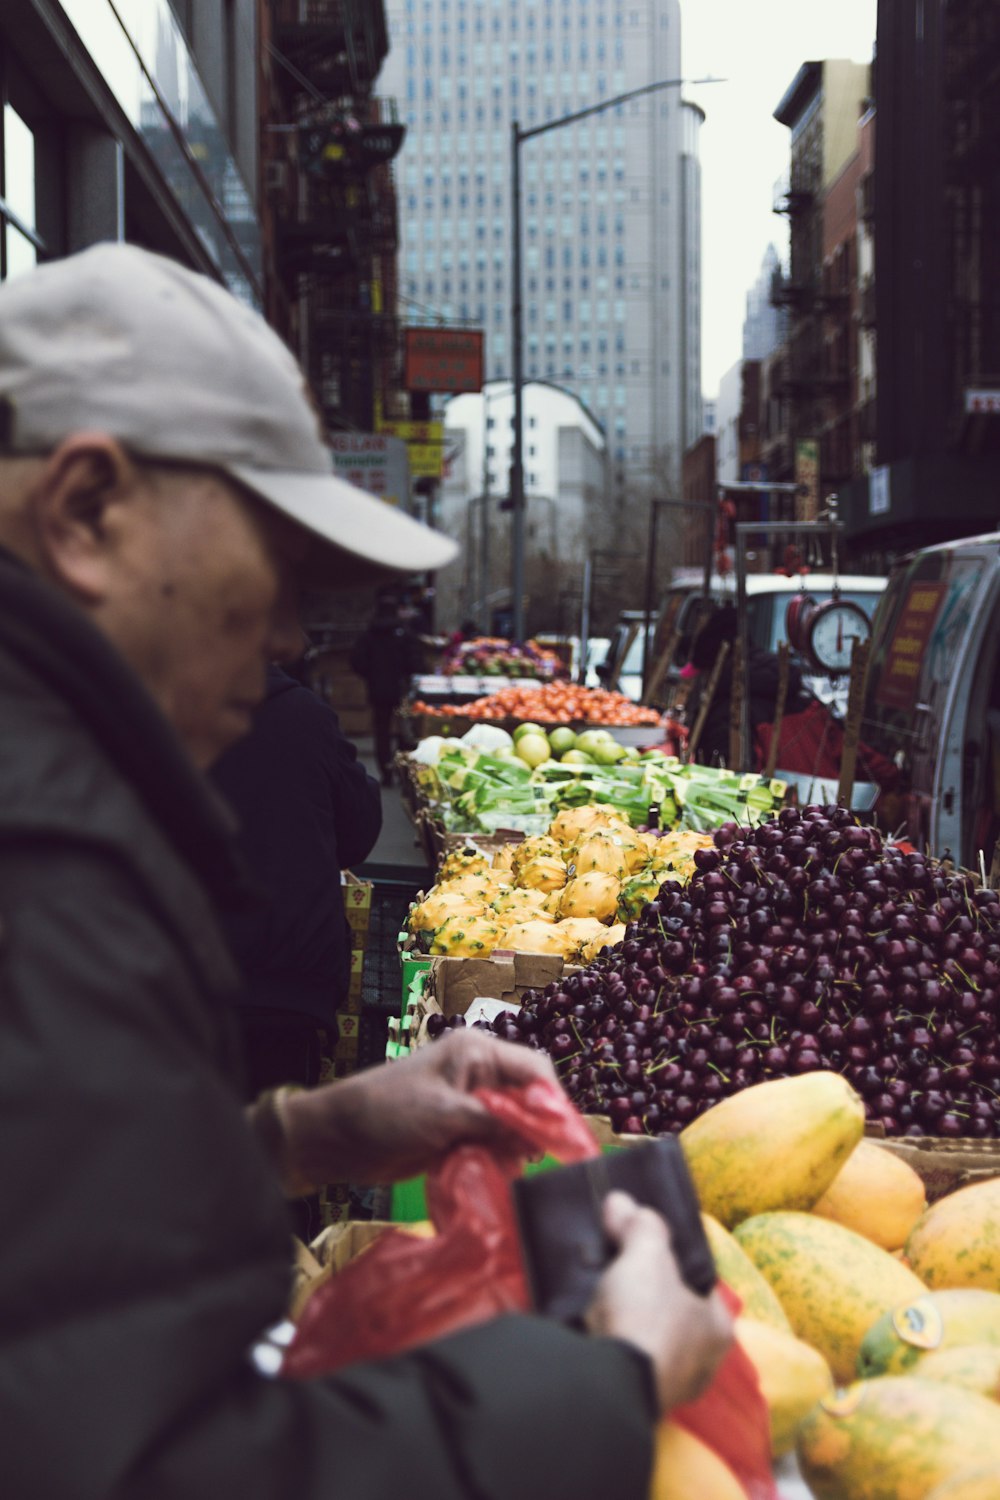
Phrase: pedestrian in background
pixel 386 657
pixel 307 810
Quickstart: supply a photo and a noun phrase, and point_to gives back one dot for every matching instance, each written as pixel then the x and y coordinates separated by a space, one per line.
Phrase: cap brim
pixel 367 538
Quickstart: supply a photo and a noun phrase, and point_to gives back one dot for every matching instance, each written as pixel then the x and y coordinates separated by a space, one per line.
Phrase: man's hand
pixel 393 1121
pixel 642 1299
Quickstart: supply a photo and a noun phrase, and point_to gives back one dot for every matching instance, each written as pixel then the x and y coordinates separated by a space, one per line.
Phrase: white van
pixel 768 598
pixel 933 699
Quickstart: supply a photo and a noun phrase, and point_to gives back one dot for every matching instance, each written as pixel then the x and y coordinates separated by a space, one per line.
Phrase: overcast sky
pixel 758 45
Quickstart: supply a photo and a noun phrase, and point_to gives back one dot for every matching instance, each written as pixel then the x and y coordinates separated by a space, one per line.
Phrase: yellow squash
pixel 793 1377
pixel 875 1193
pixel 832 1283
pixel 685 1469
pixel 895 1439
pixel 777 1145
pixel 957 1242
pixel 975 1367
pixel 738 1271
pixel 972 1484
pixel 906 1333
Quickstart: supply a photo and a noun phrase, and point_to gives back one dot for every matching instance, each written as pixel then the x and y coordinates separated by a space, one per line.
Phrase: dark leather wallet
pixel 562 1237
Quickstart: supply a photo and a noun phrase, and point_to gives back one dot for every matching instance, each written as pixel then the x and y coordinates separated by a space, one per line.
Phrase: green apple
pixel 528 728
pixel 629 752
pixel 576 758
pixel 591 738
pixel 533 749
pixel 562 740
pixel 609 754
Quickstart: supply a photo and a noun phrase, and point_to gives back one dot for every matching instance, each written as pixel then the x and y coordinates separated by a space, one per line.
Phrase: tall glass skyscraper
pixel 610 205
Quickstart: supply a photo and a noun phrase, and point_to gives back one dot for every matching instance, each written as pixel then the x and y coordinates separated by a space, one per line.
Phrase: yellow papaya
pixel 738 1271
pixel 684 1467
pixel 895 1439
pixel 957 1241
pixel 971 1484
pixel 832 1283
pixel 777 1145
pixel 793 1377
pixel 975 1367
pixel 876 1194
pixel 904 1334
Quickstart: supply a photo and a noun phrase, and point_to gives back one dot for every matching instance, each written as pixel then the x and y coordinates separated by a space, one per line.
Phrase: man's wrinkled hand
pixel 642 1299
pixel 394 1121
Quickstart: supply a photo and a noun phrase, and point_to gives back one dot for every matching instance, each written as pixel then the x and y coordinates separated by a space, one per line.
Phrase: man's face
pixel 204 599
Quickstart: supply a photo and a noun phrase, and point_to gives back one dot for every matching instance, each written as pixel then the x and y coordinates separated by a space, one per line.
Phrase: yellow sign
pixel 807 479
pixel 424 442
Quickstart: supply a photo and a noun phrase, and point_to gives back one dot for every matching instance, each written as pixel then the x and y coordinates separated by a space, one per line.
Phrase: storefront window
pixel 19 244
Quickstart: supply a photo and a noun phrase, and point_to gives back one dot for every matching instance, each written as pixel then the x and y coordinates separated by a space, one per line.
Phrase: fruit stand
pixel 813 1009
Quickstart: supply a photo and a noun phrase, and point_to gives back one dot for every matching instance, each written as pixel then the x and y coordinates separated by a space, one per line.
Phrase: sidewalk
pixel 397 844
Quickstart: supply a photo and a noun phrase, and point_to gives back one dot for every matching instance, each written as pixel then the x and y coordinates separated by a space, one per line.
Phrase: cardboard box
pixel 307 1272
pixel 335 1247
pixel 451 985
pixel 357 903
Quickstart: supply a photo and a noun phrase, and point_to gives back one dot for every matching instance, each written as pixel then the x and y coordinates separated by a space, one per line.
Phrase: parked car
pixel 933 699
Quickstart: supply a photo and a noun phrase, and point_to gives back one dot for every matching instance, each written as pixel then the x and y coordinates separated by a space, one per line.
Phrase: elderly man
pixel 163 489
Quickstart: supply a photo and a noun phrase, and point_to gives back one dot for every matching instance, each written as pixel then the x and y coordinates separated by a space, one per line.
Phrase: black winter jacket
pixel 307 809
pixel 144 1244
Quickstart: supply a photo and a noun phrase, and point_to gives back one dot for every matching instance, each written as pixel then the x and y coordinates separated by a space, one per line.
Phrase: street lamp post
pixel 517 140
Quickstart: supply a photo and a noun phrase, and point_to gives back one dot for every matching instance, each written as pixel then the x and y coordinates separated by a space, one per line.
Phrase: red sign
pixel 447 360
pixel 901 673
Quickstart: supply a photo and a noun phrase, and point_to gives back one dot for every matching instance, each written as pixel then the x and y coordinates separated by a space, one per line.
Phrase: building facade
pixel 610 205
pixel 816 376
pixel 565 476
pixel 765 326
pixel 134 121
pixel 936 289
pixel 328 142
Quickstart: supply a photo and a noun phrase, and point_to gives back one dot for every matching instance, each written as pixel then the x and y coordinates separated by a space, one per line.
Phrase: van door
pixel 928 636
pixel 954 650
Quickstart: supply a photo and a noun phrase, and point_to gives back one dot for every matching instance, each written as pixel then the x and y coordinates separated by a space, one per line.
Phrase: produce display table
pixel 458 686
pixel 414 727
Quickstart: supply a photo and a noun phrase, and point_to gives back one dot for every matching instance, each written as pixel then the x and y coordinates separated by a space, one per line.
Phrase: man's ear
pixel 77 509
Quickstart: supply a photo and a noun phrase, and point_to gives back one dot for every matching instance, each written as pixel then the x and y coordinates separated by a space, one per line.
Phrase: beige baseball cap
pixel 119 340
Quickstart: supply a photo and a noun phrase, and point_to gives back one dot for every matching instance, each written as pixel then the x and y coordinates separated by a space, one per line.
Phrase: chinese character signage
pixel 447 360
pixel 374 461
pixel 424 443
pixel 807 478
pixel 901 674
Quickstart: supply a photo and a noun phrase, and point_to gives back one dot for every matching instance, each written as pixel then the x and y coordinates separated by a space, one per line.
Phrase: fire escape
pixel 815 373
pixel 972 95
pixel 332 196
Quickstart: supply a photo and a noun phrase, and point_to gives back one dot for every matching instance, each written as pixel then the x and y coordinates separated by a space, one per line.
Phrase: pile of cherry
pixel 803 944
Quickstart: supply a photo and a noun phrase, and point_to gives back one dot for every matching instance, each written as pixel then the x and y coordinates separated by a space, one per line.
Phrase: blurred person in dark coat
pixel 386 657
pixel 307 810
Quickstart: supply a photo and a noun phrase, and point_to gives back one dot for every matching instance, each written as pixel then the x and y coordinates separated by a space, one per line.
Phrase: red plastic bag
pixel 406 1291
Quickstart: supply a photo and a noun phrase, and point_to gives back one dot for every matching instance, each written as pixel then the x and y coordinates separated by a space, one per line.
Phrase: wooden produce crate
pixel 944 1164
pixel 333 678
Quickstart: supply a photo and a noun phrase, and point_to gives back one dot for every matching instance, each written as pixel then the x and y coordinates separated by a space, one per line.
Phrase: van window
pixel 769 611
